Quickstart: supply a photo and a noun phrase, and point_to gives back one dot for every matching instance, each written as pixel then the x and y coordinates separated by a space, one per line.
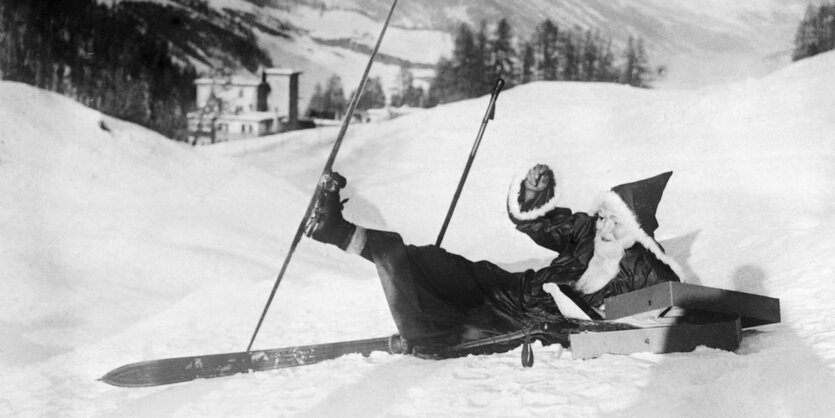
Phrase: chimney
pixel 283 96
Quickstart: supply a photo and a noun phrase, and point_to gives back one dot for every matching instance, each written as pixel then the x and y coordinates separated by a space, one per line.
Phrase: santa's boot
pixel 326 223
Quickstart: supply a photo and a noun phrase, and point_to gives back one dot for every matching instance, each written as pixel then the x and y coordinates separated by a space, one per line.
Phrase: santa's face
pixel 609 227
pixel 610 244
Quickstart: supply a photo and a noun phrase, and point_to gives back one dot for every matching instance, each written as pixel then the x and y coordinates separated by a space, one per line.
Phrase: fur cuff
pixel 513 207
pixel 357 242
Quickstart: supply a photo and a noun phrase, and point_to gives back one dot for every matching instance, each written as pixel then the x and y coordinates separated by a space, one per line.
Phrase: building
pixel 237 108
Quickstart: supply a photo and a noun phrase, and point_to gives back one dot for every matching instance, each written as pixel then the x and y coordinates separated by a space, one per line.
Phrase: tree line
pixel 816 32
pixel 330 101
pixel 100 56
pixel 481 56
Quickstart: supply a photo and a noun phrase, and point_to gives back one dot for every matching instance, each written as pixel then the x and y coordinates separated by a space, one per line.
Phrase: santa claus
pixel 438 299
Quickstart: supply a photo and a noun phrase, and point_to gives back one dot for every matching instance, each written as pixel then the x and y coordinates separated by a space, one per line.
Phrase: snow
pixel 121 246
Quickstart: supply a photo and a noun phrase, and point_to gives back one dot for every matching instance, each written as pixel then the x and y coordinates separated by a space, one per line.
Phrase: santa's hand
pixel 539 178
pixel 538 184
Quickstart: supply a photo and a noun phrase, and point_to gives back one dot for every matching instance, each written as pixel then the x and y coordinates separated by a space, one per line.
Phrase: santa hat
pixel 635 205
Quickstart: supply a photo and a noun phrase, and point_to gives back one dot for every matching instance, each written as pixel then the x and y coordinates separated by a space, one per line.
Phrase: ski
pixel 184 369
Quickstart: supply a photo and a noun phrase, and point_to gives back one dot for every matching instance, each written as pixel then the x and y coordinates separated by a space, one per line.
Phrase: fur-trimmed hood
pixel 635 205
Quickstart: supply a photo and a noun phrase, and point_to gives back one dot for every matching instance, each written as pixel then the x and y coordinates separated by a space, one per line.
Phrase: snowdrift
pixel 119 246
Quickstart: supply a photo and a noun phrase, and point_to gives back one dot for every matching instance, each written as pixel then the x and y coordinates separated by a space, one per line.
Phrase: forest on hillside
pixel 129 60
pixel 816 32
pixel 481 56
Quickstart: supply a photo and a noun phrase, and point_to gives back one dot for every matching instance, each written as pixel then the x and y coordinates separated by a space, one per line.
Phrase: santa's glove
pixel 567 307
pixel 538 187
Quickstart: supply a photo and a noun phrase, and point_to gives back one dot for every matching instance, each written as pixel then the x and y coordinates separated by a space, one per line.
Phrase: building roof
pixel 233 81
pixel 245 81
pixel 246 117
pixel 281 71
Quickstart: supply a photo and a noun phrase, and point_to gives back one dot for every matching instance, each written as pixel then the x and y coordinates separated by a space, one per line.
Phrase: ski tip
pixel 109 379
pixel 126 377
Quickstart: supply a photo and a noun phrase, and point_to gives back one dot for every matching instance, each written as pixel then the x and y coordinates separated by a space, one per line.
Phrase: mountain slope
pixel 698 43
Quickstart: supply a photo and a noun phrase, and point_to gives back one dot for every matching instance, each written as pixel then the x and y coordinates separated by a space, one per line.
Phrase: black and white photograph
pixel 417 208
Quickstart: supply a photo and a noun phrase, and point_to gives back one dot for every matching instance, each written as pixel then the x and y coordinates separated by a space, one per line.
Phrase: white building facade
pixel 238 108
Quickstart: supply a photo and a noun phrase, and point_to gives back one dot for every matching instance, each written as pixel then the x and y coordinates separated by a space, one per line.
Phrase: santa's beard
pixel 604 264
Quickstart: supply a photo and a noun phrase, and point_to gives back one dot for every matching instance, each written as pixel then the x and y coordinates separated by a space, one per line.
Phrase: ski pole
pixel 488 115
pixel 328 166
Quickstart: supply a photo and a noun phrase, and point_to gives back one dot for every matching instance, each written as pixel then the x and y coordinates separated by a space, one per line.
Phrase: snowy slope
pixel 120 246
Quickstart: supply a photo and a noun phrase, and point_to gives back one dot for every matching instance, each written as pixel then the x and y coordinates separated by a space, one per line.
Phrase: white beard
pixel 604 264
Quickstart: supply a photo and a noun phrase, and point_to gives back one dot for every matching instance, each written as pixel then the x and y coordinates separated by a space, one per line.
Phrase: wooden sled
pixel 676 317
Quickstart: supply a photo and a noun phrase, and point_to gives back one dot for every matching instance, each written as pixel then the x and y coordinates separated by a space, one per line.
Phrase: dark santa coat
pixel 572 235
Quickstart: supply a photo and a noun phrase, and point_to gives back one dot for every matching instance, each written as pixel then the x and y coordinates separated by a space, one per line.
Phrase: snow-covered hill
pixel 119 246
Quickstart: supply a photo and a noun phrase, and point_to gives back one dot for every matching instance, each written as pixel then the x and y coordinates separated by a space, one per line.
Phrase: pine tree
pixel 373 95
pixel 589 57
pixel 571 58
pixel 547 50
pixel 444 87
pixel 467 61
pixel 406 93
pixel 636 68
pixel 606 69
pixel 503 54
pixel 317 102
pixel 482 68
pixel 528 62
pixel 334 97
pixel 643 71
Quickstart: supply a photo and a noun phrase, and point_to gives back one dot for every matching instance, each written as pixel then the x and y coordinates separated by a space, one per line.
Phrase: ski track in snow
pixel 121 247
